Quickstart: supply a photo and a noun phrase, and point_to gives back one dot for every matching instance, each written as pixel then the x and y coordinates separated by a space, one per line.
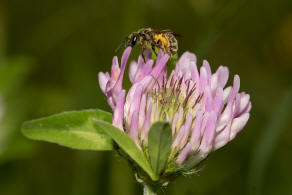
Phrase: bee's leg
pixel 153 49
pixel 165 51
pixel 143 50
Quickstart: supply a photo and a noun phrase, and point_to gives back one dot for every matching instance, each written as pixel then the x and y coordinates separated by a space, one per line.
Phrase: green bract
pixel 159 142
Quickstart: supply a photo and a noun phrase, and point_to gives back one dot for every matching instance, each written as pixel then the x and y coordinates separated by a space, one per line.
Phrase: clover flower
pixel 203 113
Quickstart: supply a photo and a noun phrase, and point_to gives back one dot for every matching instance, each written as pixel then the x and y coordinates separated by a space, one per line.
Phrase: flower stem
pixel 148 190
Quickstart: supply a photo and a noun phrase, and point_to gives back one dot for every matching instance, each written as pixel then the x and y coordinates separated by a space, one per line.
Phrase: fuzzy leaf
pixel 128 146
pixel 73 129
pixel 159 142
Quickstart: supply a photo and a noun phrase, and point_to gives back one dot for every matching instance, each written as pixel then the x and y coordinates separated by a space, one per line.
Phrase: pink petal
pixel 218 100
pixel 135 103
pixel 176 143
pixel 133 132
pixel 223 137
pixel 187 65
pixel 209 135
pixel 238 124
pixel 142 111
pixel 129 100
pixel 186 132
pixel 235 88
pixel 207 66
pixel 208 99
pixel 222 74
pixel 124 60
pixel 103 80
pixel 226 93
pixel 132 71
pixel 203 78
pixel 145 70
pixel 196 134
pixel 159 55
pixel 184 153
pixel 115 62
pixel 214 83
pixel 248 107
pixel 118 116
pixel 236 105
pixel 224 117
pixel 146 125
pixel 244 102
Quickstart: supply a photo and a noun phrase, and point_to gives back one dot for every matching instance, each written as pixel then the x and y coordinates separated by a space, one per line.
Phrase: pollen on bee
pixel 162 38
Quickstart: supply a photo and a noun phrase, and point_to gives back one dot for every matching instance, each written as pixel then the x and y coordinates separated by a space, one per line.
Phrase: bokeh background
pixel 51 52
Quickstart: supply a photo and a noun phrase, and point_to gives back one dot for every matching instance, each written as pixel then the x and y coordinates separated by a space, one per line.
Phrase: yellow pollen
pixel 164 41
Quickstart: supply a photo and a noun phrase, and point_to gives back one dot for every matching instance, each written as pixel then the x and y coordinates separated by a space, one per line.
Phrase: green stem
pixel 148 190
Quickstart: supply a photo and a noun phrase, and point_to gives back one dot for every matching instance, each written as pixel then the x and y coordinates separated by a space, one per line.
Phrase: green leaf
pixel 73 129
pixel 159 142
pixel 128 145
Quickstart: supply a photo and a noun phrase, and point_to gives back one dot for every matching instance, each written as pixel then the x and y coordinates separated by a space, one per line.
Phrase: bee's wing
pixel 177 34
pixel 167 31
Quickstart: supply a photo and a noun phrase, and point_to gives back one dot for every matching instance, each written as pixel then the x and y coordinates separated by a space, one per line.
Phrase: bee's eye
pixel 134 40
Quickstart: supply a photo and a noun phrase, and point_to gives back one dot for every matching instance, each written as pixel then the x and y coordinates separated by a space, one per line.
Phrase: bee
pixel 161 39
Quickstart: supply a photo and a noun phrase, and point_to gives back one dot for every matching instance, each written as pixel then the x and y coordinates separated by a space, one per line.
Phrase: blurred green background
pixel 51 52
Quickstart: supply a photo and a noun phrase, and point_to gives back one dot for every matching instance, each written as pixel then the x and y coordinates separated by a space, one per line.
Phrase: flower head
pixel 203 113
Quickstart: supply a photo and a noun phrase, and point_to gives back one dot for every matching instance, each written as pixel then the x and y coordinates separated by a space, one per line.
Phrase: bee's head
pixel 131 40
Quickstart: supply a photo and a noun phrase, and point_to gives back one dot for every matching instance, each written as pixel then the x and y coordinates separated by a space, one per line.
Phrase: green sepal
pixel 159 142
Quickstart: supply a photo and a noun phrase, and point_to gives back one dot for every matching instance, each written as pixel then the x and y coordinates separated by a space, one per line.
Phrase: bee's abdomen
pixel 173 45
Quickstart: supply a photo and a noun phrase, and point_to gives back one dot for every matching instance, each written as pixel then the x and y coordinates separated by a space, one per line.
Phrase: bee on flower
pixel 161 39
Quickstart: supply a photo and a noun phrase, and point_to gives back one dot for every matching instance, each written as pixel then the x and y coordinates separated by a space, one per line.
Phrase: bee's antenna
pixel 120 45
